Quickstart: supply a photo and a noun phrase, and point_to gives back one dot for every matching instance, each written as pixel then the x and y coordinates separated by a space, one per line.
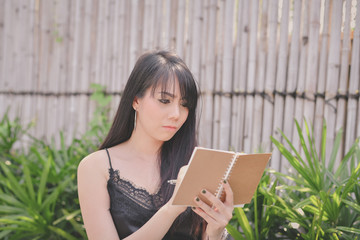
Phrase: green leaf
pixel 16 188
pixel 3 234
pixel 10 210
pixel 78 227
pixel 348 229
pixel 28 179
pixel 335 149
pixel 304 147
pixel 43 180
pixel 52 198
pixel 62 233
pixel 10 200
pixel 244 223
pixel 234 232
pixel 355 206
pixel 323 143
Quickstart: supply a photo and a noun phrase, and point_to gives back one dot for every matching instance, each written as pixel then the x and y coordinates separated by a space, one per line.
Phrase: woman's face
pixel 161 114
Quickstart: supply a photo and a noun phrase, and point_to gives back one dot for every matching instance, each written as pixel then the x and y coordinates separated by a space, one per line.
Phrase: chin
pixel 166 138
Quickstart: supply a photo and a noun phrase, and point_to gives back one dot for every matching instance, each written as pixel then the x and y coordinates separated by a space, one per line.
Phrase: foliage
pixel 10 133
pixel 38 187
pixel 318 201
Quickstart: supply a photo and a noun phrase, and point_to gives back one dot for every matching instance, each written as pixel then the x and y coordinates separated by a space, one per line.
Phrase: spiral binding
pixel 226 176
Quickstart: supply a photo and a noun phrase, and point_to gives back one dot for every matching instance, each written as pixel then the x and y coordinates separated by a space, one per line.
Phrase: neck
pixel 144 146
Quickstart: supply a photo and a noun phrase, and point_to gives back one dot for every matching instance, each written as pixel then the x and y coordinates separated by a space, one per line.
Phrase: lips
pixel 170 127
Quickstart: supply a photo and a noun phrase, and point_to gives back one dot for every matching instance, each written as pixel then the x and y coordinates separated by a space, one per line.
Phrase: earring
pixel 135 120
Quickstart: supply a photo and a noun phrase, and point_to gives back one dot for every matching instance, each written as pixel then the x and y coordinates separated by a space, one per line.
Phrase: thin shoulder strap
pixel 107 151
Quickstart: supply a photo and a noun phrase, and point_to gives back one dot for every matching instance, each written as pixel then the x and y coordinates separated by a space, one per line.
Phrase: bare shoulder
pixel 95 163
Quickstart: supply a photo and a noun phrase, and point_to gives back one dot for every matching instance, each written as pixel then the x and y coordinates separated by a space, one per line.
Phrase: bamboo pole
pixel 251 78
pixel 2 53
pixel 133 34
pixel 46 62
pixel 292 77
pixel 204 42
pixel 218 71
pixel 74 69
pixel 21 66
pixel 352 120
pixel 299 102
pixel 180 28
pixel 55 75
pixel 333 72
pixel 205 131
pixel 280 82
pixel 344 75
pixel 32 67
pixel 196 39
pixel 240 74
pixel 270 75
pixel 312 61
pixel 226 86
pixel 236 110
pixel 10 57
pixel 93 68
pixel 148 16
pixel 112 50
pixel 116 67
pixel 126 46
pixel 173 24
pixel 63 79
pixel 260 78
pixel 165 25
pixel 319 106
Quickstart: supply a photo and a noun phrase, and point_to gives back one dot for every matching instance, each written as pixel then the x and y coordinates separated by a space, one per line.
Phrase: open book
pixel 208 168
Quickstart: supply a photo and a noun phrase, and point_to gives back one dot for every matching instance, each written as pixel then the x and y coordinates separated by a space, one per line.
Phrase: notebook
pixel 208 168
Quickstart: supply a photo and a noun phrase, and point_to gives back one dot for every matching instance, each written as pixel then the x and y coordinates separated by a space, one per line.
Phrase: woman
pixel 123 189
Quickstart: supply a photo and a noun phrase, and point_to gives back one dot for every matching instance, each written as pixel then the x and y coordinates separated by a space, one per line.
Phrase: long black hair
pixel 151 70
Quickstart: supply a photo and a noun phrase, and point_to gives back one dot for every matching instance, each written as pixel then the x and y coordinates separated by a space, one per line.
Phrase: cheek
pixel 185 114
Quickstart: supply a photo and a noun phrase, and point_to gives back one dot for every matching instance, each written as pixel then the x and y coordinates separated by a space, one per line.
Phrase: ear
pixel 135 103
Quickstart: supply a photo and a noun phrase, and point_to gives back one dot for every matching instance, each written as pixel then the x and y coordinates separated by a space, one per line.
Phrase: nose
pixel 175 112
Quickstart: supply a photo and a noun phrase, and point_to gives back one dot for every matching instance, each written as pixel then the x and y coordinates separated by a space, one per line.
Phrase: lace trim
pixel 138 194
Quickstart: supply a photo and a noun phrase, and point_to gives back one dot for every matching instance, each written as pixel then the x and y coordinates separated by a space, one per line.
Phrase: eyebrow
pixel 168 94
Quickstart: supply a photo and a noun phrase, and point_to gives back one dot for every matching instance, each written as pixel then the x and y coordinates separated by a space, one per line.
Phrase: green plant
pixel 317 201
pixel 10 133
pixel 320 201
pixel 99 125
pixel 38 193
pixel 38 187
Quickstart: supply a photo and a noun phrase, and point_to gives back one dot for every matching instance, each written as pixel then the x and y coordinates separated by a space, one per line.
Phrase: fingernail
pixel 193 208
pixel 197 199
pixel 203 191
pixel 225 181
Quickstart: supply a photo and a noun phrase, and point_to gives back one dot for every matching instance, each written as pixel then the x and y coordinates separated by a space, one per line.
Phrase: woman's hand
pixel 180 176
pixel 218 216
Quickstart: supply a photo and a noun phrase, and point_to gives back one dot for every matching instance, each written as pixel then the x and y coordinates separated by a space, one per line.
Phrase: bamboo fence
pixel 259 64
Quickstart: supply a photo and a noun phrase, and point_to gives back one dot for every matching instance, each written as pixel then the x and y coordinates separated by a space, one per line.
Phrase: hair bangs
pixel 166 79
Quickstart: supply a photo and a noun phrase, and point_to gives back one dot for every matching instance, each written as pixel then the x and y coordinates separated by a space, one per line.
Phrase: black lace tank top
pixel 131 207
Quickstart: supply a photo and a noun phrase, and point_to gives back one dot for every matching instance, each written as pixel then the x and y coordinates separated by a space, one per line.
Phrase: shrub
pixel 38 187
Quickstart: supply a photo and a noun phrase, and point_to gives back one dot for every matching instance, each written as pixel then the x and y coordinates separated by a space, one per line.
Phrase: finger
pixel 204 215
pixel 229 199
pixel 219 217
pixel 217 204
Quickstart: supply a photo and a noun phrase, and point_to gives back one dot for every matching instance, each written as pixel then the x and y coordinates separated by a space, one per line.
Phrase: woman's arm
pixel 95 204
pixel 94 198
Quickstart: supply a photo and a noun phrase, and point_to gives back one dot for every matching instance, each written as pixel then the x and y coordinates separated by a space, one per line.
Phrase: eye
pixel 164 101
pixel 185 104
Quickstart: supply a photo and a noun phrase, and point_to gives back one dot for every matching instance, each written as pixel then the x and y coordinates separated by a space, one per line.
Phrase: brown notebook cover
pixel 208 168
